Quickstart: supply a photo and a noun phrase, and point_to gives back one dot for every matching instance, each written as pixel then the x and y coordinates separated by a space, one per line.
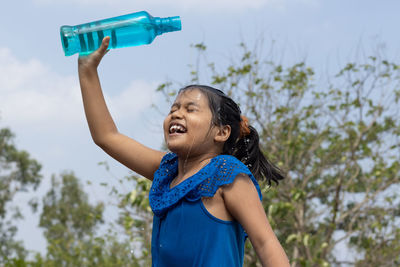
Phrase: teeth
pixel 175 128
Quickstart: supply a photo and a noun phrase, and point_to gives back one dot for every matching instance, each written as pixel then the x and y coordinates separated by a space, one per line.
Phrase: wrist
pixel 87 69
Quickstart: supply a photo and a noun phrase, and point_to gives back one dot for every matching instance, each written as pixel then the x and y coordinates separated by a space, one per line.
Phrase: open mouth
pixel 176 128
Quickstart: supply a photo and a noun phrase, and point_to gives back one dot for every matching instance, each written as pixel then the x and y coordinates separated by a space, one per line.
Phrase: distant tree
pixel 18 173
pixel 71 227
pixel 135 216
pixel 338 143
pixel 69 221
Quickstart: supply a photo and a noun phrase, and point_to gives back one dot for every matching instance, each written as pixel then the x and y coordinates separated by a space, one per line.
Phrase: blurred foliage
pixel 18 173
pixel 69 223
pixel 135 216
pixel 72 230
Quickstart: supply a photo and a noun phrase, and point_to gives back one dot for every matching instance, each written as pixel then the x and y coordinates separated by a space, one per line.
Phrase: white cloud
pixel 138 96
pixel 45 111
pixel 32 95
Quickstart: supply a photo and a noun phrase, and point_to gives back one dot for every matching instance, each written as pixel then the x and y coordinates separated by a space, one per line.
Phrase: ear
pixel 223 133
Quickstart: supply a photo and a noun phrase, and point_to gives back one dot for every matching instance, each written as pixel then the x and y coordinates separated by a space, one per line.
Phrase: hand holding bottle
pixel 92 61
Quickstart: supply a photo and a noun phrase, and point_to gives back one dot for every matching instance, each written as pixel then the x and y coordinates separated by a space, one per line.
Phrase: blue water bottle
pixel 128 30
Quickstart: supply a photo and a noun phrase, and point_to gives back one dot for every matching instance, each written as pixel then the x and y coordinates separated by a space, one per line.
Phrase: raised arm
pixel 129 152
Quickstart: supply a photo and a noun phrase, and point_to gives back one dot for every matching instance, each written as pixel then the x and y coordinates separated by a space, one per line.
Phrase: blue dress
pixel 184 232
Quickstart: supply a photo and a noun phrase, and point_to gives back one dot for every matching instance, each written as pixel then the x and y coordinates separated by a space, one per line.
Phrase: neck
pixel 187 166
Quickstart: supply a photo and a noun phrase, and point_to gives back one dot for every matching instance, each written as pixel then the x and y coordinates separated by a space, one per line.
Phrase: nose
pixel 177 114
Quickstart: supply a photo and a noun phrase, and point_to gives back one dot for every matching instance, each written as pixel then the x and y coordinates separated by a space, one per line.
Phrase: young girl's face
pixel 187 128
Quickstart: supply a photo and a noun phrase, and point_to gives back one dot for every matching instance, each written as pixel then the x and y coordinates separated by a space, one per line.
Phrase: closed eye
pixel 191 107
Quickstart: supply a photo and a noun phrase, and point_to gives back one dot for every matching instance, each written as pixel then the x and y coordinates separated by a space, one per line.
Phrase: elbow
pixel 100 141
pixel 103 140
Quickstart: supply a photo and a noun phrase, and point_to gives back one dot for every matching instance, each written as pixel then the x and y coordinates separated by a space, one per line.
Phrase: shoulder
pixel 241 183
pixel 234 173
pixel 229 163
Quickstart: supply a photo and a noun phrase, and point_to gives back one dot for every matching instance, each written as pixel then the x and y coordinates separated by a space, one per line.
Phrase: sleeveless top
pixel 184 232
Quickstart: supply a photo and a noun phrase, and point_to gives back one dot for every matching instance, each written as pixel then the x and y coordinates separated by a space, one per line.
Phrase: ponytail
pixel 247 150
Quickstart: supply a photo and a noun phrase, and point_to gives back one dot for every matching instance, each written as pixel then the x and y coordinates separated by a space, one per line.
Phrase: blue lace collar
pixel 219 171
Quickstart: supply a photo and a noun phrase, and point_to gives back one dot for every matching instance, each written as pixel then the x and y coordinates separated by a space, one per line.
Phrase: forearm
pixel 97 115
pixel 271 254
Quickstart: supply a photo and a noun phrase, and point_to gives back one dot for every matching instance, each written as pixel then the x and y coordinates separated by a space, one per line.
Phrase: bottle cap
pixel 169 24
pixel 175 23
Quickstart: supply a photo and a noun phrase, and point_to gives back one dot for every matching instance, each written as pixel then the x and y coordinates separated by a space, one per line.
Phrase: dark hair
pixel 226 112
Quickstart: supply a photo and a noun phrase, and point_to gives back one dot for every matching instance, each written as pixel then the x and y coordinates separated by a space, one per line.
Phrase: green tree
pixel 135 217
pixel 71 227
pixel 18 173
pixel 338 143
pixel 69 221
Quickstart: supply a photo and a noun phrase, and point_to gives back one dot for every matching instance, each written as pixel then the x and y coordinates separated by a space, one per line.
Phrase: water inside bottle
pixel 128 30
pixel 123 34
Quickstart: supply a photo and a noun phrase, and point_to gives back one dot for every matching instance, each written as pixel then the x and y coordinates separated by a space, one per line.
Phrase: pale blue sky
pixel 39 92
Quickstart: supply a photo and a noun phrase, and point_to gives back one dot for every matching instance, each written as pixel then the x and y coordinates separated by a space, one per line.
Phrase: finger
pixel 95 57
pixel 104 45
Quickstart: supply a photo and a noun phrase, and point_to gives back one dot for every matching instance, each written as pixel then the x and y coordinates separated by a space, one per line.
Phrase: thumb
pixel 98 55
pixel 95 57
pixel 104 45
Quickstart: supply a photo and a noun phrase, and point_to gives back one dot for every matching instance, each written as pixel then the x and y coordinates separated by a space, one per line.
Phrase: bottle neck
pixel 169 24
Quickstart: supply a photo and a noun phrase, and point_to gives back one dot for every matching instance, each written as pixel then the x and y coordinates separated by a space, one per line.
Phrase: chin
pixel 176 149
pixel 180 150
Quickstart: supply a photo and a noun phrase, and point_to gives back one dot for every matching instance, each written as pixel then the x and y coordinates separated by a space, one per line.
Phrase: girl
pixel 204 199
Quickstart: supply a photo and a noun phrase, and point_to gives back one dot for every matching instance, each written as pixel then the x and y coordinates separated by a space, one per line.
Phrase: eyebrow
pixel 177 104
